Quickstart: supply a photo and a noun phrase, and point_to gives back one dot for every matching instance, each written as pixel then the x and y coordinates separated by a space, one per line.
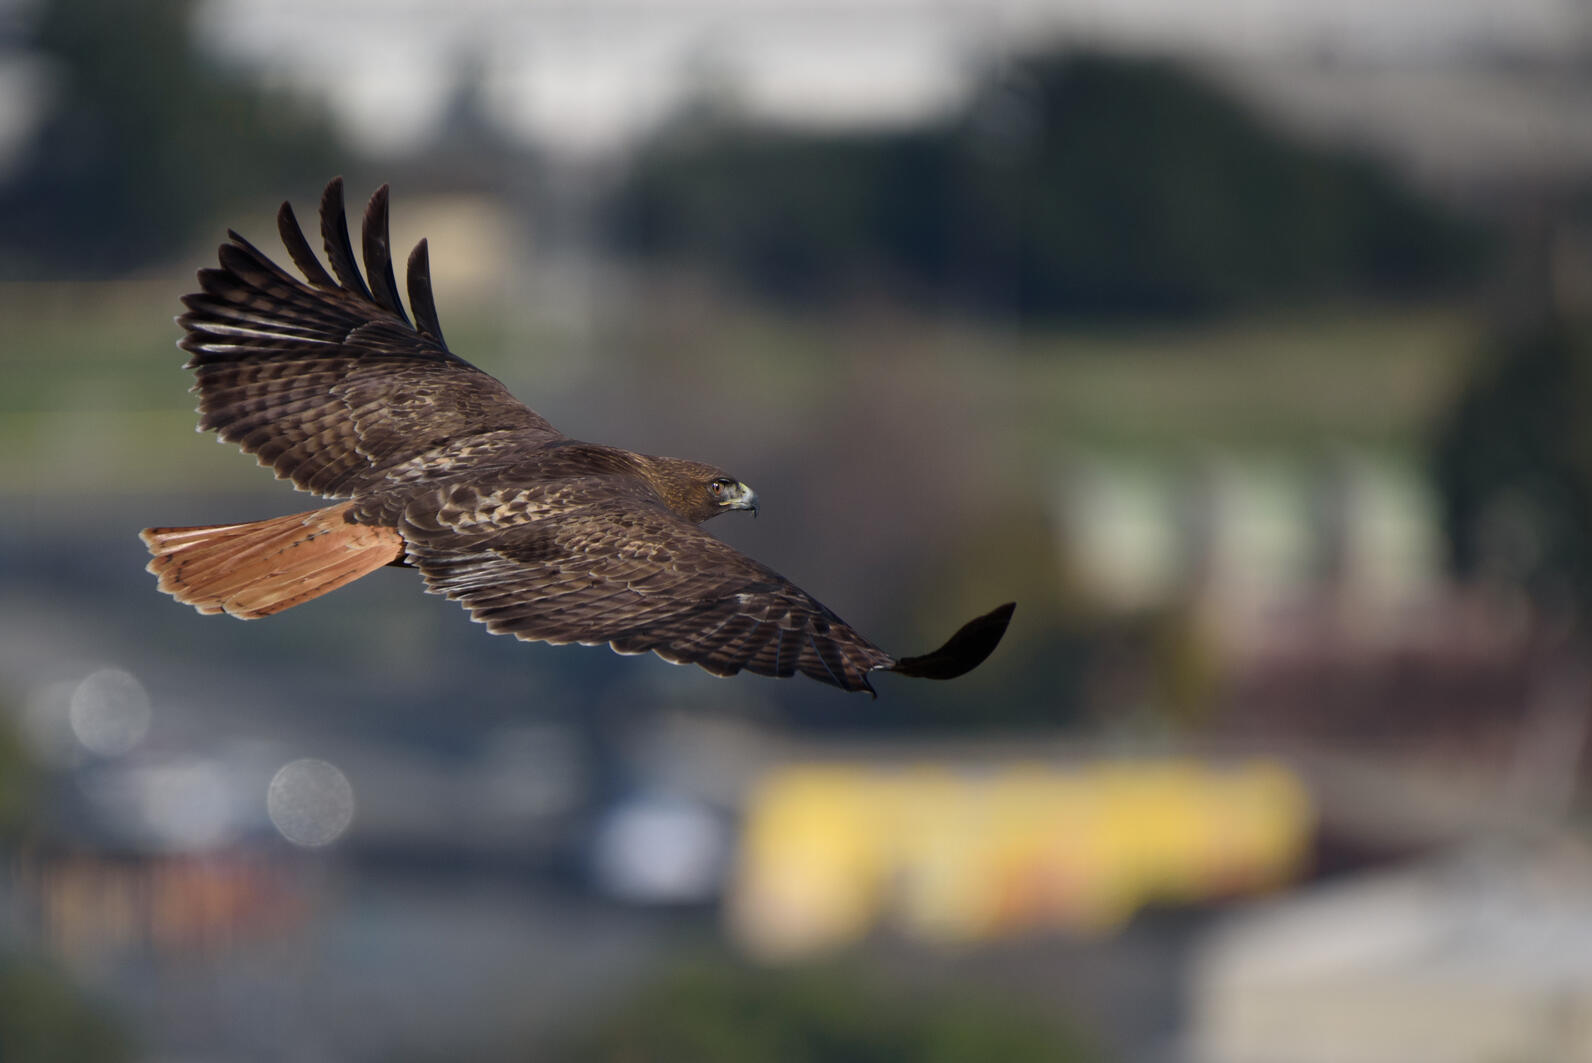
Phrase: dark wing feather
pixel 594 561
pixel 963 651
pixel 298 248
pixel 378 255
pixel 334 235
pixel 325 381
pixel 421 301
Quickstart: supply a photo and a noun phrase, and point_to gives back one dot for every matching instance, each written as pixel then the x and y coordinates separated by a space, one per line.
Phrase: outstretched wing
pixel 592 561
pixel 326 380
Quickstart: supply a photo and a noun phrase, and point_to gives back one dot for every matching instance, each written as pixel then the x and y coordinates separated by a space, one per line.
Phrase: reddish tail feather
pixel 263 567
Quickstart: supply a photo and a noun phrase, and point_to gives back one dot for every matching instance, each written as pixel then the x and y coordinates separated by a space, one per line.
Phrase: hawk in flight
pixel 436 466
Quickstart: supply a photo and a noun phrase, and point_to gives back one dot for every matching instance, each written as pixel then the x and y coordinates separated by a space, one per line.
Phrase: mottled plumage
pixel 540 536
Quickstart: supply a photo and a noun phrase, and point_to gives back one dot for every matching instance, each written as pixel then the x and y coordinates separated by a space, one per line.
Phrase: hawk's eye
pixel 718 487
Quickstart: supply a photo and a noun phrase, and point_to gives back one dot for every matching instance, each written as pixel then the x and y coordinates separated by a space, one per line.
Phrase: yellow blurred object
pixel 956 855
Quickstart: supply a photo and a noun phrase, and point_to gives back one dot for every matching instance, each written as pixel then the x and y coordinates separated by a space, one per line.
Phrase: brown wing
pixel 594 561
pixel 327 381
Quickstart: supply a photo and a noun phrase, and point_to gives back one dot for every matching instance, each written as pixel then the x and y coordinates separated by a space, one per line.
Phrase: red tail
pixel 254 570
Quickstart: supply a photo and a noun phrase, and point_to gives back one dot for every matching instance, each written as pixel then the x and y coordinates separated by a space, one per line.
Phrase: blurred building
pixel 959 854
pixel 1250 536
pixel 1317 597
pixel 1473 957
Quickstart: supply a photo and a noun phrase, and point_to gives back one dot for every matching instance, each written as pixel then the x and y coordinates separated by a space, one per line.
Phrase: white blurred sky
pixel 584 77
pixel 587 76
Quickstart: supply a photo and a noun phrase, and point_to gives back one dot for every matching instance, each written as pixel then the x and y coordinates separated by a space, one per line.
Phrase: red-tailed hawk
pixel 538 535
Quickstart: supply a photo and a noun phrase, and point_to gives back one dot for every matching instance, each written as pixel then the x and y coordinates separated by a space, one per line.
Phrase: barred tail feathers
pixel 263 567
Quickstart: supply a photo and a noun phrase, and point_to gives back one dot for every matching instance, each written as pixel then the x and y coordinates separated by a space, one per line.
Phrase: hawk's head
pixel 697 491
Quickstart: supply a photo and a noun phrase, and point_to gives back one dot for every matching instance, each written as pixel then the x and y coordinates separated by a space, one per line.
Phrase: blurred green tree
pixel 42 1014
pixel 1513 465
pixel 18 782
pixel 44 1017
pixel 1076 185
pixel 727 1012
pixel 144 140
pixel 1512 459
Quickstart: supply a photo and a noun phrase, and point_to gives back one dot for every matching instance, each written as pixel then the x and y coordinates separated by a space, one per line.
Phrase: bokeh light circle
pixel 310 802
pixel 109 712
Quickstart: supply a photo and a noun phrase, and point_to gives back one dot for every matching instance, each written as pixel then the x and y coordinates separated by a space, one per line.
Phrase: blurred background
pixel 1245 345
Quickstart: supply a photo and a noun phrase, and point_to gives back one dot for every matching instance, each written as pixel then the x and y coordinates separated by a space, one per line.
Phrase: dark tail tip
pixel 963 651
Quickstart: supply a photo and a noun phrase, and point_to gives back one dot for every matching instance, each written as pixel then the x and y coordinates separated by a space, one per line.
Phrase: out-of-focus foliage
pixel 143 141
pixel 726 1013
pixel 17 781
pixel 1514 466
pixel 42 1017
pixel 1074 185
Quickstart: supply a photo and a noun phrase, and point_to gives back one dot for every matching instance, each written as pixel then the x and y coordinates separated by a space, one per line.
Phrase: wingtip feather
pixel 964 651
pixel 334 234
pixel 377 246
pixel 298 249
pixel 421 298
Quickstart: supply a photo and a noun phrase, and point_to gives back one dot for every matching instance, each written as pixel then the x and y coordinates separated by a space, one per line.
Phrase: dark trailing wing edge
pixel 963 651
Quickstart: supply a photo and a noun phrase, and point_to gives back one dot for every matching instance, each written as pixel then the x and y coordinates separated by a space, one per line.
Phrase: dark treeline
pixel 1513 466
pixel 1067 186
pixel 143 141
pixel 1070 185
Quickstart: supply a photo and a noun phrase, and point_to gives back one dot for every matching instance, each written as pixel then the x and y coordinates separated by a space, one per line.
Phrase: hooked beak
pixel 740 497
